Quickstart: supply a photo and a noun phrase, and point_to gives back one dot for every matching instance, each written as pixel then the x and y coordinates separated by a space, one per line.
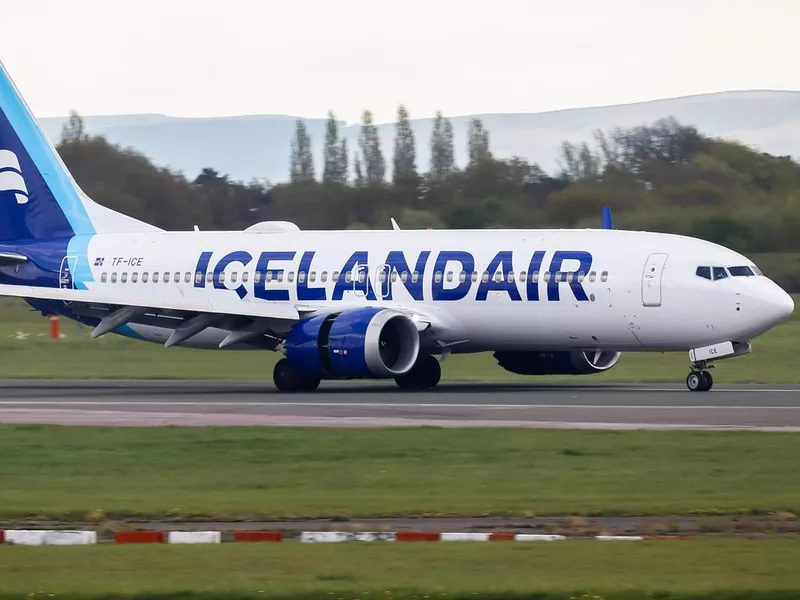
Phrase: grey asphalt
pixel 381 404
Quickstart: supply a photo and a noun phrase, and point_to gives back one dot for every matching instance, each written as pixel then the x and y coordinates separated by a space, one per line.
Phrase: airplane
pixel 370 304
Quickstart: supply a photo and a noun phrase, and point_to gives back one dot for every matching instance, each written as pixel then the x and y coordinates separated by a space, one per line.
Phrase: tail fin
pixel 607 222
pixel 38 196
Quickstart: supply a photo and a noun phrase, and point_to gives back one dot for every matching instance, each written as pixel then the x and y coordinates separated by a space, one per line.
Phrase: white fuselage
pixel 641 289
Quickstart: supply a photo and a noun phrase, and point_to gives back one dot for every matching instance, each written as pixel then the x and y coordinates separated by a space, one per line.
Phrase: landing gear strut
pixel 699 381
pixel 289 379
pixel 424 375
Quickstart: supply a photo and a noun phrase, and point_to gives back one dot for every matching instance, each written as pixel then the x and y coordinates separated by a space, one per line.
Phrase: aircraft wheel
pixel 285 376
pixel 308 384
pixel 424 375
pixel 699 381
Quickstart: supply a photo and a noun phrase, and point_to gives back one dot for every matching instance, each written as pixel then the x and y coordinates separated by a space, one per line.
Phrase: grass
pixel 583 570
pixel 26 351
pixel 230 473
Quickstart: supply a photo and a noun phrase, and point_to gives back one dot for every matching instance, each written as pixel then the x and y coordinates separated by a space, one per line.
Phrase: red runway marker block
pixel 418 536
pixel 2 537
pixel 258 536
pixel 501 537
pixel 139 537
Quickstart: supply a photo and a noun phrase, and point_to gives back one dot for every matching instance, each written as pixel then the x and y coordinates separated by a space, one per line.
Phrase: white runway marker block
pixel 24 537
pixel 326 536
pixel 538 537
pixel 69 538
pixel 621 538
pixel 373 536
pixel 465 537
pixel 194 537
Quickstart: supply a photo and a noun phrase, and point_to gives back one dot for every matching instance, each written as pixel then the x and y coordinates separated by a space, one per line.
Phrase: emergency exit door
pixel 651 279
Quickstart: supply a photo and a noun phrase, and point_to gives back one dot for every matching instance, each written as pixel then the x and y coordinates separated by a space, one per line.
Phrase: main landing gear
pixel 424 375
pixel 699 381
pixel 289 379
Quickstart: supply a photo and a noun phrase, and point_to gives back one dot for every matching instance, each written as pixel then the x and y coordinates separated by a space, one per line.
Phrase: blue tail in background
pixel 607 222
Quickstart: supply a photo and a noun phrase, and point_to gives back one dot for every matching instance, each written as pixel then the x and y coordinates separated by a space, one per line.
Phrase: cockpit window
pixel 704 272
pixel 741 271
pixel 719 273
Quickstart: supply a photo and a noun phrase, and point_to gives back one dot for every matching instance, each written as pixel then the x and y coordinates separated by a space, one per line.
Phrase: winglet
pixel 395 226
pixel 607 222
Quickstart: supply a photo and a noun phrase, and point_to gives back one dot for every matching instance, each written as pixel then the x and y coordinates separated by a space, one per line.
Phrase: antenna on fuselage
pixel 395 226
pixel 607 222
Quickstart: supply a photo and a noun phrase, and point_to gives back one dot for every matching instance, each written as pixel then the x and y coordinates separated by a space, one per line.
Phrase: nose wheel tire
pixel 289 379
pixel 699 381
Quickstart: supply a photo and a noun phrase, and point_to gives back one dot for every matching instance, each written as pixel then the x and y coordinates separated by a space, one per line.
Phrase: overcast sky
pixel 302 57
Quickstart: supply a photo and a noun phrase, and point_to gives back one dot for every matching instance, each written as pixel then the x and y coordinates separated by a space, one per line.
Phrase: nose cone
pixel 777 305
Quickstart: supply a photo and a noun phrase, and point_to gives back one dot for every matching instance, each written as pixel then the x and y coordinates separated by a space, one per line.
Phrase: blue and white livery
pixel 370 304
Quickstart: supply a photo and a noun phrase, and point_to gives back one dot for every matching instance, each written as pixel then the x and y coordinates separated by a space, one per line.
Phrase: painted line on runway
pixel 388 405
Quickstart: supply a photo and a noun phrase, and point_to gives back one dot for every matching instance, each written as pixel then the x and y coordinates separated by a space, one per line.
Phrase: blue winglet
pixel 607 222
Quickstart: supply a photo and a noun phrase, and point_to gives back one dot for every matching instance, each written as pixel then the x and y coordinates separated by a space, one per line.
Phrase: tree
pixel 302 162
pixel 478 142
pixel 374 163
pixel 359 176
pixel 342 166
pixel 73 130
pixel 335 154
pixel 442 151
pixel 405 157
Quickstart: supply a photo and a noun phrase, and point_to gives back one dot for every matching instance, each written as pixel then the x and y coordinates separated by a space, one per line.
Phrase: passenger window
pixel 268 276
pixel 394 276
pixel 103 277
pixel 187 277
pixel 348 277
pixel 535 277
pixel 124 277
pixel 462 277
pixel 245 276
pixel 145 275
pixel 581 276
pixel 280 277
pixel 177 277
pixel 414 277
pixel 719 273
pixel 547 276
pixel 592 276
pixel 484 277
pixel 155 277
pixel 404 276
pixel 335 276
pixel 604 276
pixel 523 276
pixel 437 277
pixel 234 277
pixel 198 277
pixel 557 276
pixel 165 279
pixel 290 279
pixel 301 277
pixel 570 276
pixel 134 277
pixel 510 277
pixel 449 276
pixel 221 277
pixel 113 278
pixel 474 276
pixel 498 277
pixel 324 277
pixel 210 277
pixel 704 272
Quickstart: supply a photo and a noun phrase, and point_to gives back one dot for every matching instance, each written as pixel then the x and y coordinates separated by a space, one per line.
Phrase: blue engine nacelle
pixel 357 343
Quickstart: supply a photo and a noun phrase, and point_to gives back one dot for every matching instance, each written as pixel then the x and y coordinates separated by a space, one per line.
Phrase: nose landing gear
pixel 699 381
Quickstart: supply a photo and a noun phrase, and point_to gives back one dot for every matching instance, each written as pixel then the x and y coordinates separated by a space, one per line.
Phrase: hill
pixel 257 146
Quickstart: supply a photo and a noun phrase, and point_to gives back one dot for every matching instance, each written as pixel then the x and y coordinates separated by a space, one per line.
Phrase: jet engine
pixel 357 343
pixel 557 363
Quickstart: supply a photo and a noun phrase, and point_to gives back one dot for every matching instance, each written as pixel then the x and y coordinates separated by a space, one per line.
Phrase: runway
pixel 349 404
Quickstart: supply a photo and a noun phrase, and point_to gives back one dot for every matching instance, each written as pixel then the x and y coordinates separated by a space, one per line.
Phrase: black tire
pixel 285 376
pixel 308 384
pixel 695 381
pixel 424 375
pixel 709 381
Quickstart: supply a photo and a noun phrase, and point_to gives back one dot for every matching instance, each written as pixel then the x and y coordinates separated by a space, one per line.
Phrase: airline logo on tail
pixel 11 179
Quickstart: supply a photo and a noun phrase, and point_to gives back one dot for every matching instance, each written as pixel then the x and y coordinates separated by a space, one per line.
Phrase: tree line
pixel 665 176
